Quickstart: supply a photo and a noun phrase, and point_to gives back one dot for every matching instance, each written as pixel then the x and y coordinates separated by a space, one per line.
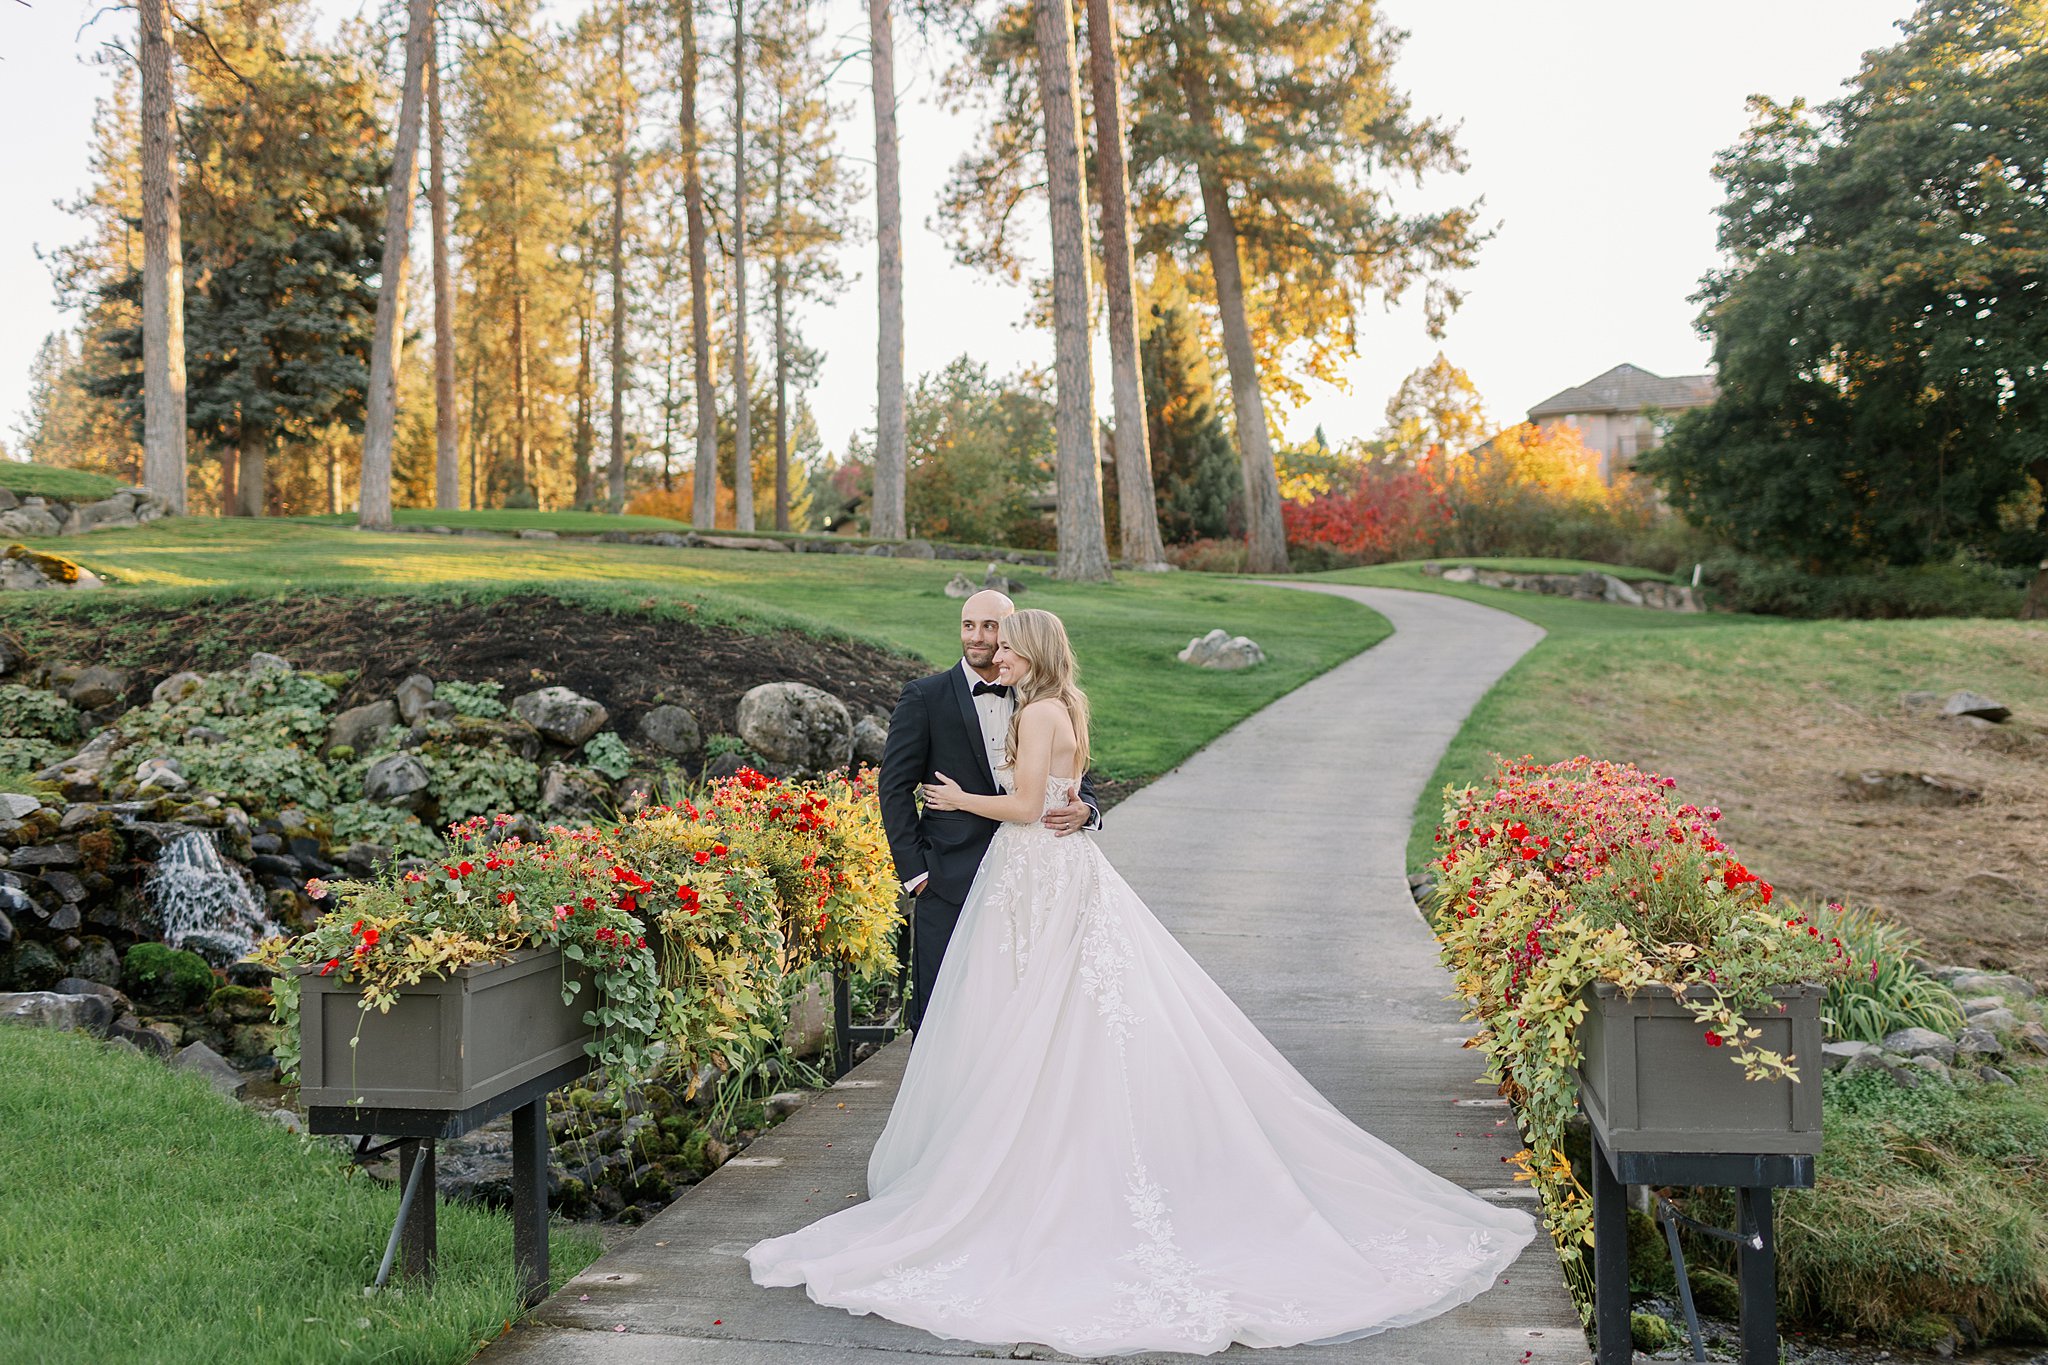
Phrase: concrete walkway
pixel 1276 856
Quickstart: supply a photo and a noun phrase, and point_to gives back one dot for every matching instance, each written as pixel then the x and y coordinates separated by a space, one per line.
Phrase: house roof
pixel 1628 388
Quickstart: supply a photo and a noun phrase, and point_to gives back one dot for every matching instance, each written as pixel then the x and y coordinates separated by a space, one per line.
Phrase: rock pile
pixel 32 516
pixel 1222 650
pixel 1653 593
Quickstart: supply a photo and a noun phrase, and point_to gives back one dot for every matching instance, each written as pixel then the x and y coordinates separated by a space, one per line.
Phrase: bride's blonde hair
pixel 1040 639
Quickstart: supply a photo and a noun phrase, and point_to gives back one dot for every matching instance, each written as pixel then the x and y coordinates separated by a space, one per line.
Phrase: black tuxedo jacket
pixel 936 729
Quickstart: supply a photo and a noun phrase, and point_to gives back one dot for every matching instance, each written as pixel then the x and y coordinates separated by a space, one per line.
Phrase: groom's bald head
pixel 981 619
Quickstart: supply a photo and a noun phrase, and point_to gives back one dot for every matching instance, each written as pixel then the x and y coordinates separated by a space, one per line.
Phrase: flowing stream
pixel 205 903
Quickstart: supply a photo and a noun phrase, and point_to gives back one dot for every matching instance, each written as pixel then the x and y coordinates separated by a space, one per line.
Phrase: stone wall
pixel 29 515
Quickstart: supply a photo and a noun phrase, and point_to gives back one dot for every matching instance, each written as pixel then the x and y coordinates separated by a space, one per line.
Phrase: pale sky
pixel 1590 127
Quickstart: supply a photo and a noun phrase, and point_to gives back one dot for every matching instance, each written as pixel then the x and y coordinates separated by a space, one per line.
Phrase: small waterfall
pixel 204 903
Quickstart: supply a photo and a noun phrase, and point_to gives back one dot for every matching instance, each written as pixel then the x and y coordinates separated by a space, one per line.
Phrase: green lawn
pixel 49 481
pixel 1153 711
pixel 509 519
pixel 143 1217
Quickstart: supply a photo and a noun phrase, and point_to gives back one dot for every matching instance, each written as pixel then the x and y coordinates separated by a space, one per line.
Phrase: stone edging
pixel 1654 593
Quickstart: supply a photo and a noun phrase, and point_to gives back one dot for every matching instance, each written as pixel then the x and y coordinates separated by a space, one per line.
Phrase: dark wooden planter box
pixel 1650 1083
pixel 447 1044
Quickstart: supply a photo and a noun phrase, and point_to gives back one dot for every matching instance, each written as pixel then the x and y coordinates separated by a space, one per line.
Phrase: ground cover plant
pixel 1763 716
pixel 146 1218
pixel 1154 711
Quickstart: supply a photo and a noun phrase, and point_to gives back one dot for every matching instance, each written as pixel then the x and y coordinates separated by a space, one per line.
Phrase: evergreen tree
pixel 280 223
pixel 1194 466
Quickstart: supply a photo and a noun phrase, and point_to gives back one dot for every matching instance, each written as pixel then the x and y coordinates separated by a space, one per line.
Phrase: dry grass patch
pixel 1764 716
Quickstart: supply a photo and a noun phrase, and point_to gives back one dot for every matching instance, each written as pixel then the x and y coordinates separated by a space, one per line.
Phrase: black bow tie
pixel 994 689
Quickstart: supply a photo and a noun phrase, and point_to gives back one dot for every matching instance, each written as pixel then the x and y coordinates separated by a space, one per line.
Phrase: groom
pixel 956 722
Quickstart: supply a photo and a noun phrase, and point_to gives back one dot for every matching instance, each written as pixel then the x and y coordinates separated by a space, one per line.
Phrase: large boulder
pixel 399 780
pixel 18 805
pixel 870 738
pixel 1222 651
pixel 2002 982
pixel 360 726
pixel 414 694
pixel 563 716
pixel 96 687
pixel 568 790
pixel 1975 704
pixel 49 1009
pixel 796 727
pixel 177 687
pixel 211 1067
pixel 80 774
pixel 672 730
pixel 1921 1042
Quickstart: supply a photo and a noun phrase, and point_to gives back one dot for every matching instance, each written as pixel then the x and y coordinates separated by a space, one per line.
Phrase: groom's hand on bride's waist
pixel 1068 818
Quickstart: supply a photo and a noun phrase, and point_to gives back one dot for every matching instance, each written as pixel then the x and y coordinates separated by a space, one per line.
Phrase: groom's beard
pixel 980 659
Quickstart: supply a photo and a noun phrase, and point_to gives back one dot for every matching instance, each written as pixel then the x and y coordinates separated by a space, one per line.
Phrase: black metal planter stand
pixel 847 1035
pixel 1752 1177
pixel 416 1130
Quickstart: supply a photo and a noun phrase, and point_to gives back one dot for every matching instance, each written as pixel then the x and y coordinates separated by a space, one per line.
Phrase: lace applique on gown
pixel 1095 1150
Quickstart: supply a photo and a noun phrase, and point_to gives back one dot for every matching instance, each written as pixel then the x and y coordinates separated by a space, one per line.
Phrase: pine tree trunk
pixel 380 426
pixel 1137 509
pixel 163 269
pixel 333 480
pixel 886 507
pixel 781 401
pixel 230 465
pixel 249 482
pixel 476 396
pixel 519 367
pixel 1083 554
pixel 742 442
pixel 1265 534
pixel 447 471
pixel 781 247
pixel 704 475
pixel 616 500
pixel 586 436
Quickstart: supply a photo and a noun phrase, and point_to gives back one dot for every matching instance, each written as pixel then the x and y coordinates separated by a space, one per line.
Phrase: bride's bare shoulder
pixel 1047 711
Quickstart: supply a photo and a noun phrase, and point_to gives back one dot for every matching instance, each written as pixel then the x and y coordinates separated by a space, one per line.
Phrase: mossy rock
pixel 33 967
pixel 170 978
pixel 1649 1258
pixel 1928 1332
pixel 1652 1333
pixel 56 568
pixel 1715 1293
pixel 240 1004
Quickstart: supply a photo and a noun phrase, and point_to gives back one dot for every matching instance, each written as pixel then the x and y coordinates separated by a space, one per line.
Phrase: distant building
pixel 1611 412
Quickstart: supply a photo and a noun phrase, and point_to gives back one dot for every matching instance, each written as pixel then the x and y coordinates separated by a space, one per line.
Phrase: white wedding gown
pixel 1093 1149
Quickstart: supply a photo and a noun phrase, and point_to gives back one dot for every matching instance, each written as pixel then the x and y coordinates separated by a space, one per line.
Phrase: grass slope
pixel 49 481
pixel 1153 711
pixel 144 1218
pixel 1763 715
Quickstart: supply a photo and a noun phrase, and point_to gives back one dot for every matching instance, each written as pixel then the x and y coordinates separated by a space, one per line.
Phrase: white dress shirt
pixel 995 713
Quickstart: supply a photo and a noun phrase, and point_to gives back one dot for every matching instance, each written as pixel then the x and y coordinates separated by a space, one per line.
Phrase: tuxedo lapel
pixel 971 718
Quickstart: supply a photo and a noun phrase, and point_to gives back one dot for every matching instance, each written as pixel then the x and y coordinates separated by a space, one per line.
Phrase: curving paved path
pixel 1276 855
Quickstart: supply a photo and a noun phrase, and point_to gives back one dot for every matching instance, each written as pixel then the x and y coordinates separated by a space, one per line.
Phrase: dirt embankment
pixel 628 661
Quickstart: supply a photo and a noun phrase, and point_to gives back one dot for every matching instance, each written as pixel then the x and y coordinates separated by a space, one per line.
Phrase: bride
pixel 1093 1148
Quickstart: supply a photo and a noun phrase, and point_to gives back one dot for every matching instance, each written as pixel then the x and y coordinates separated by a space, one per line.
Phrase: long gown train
pixel 1095 1150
